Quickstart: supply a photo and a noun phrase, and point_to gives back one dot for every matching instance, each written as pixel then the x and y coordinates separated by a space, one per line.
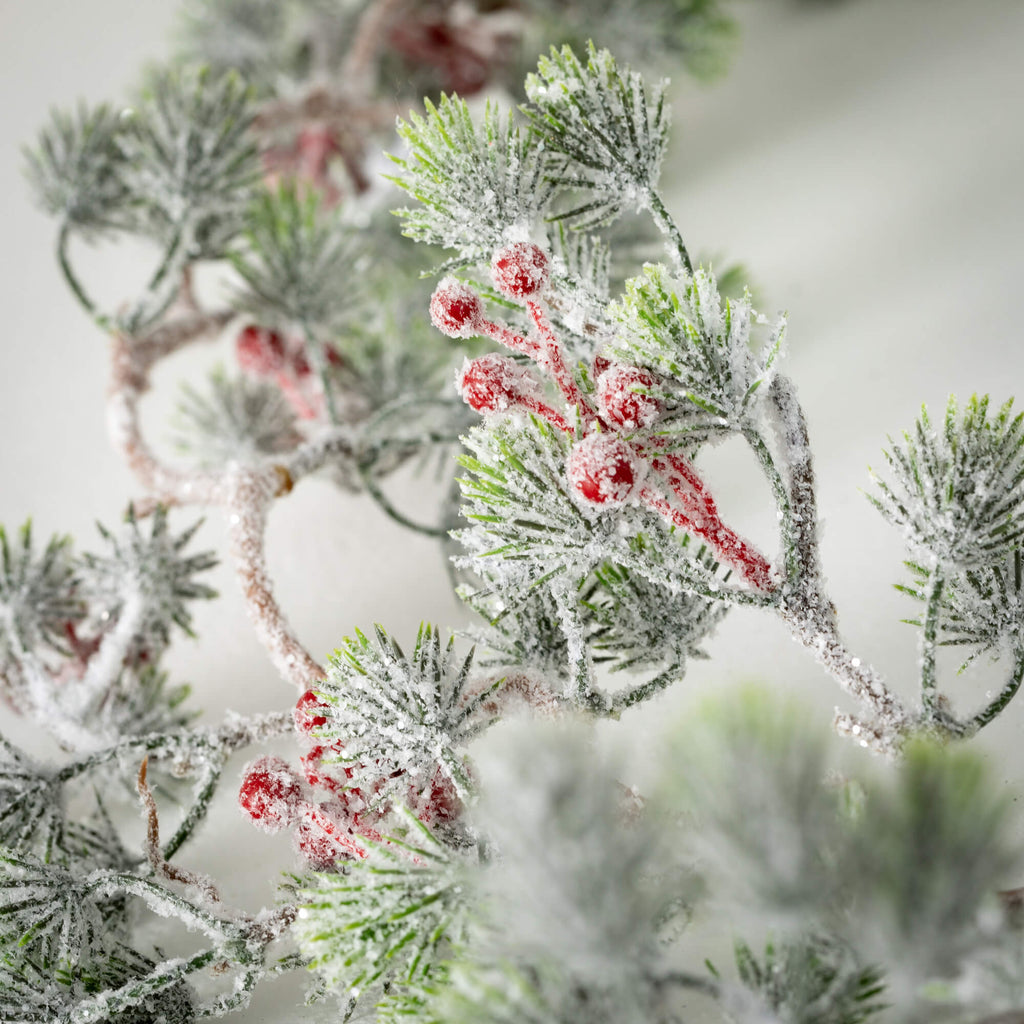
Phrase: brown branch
pixel 163 868
pixel 360 62
pixel 131 361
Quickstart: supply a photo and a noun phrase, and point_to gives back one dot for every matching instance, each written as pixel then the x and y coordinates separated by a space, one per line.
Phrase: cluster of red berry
pixel 267 353
pixel 617 456
pixel 331 816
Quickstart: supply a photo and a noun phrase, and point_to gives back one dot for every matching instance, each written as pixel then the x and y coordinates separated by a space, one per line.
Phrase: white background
pixel 864 159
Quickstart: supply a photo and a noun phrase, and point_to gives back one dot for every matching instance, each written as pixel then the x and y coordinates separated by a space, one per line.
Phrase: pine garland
pixel 451 868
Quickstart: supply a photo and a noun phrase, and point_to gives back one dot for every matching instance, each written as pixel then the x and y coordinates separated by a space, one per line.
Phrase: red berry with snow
pixel 493 383
pixel 602 469
pixel 601 365
pixel 271 793
pixel 300 363
pixel 439 802
pixel 260 350
pixel 309 712
pixel 520 270
pixel 320 777
pixel 317 848
pixel 623 399
pixel 455 309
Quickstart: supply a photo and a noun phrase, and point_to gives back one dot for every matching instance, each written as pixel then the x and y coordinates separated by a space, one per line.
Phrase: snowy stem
pixel 108 662
pixel 319 360
pixel 249 495
pixel 933 605
pixel 336 443
pixel 384 503
pixel 157 861
pixel 71 278
pixel 196 813
pixel 644 691
pixel 233 735
pixel 234 1000
pixel 816 630
pixel 782 503
pixel 1005 695
pixel 246 494
pixel 162 901
pixel 805 606
pixel 675 244
pixel 691 981
pixel 170 255
pixel 141 316
pixel 802 521
pixel 581 679
pixel 129 379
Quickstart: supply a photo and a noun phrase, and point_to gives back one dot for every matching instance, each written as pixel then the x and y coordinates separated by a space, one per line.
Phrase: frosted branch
pixel 248 497
pixel 245 495
pixel 805 604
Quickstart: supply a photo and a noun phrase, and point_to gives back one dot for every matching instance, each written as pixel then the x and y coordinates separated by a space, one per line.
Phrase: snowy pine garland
pixel 526 883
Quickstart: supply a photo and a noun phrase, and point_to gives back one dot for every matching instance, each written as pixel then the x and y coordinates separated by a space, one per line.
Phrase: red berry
pixel 621 398
pixel 602 469
pixel 601 364
pixel 520 270
pixel 455 309
pixel 308 713
pixel 300 363
pixel 319 849
pixel 493 383
pixel 259 350
pixel 439 802
pixel 271 793
pixel 319 777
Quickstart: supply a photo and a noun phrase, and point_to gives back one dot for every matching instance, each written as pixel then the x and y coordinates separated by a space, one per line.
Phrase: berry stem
pixel 706 524
pixel 77 289
pixel 516 342
pixel 303 409
pixel 545 412
pixel 675 244
pixel 555 359
pixel 933 608
pixel 319 360
pixel 690 489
